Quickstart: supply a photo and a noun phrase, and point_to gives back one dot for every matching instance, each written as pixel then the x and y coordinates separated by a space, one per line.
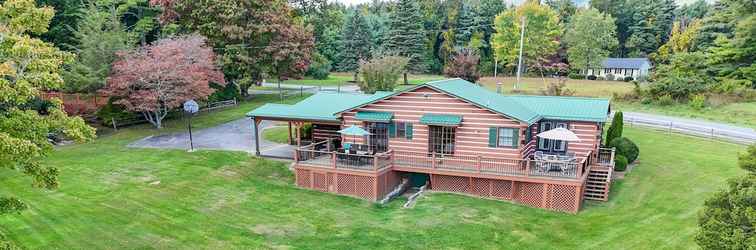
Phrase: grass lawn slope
pixel 117 197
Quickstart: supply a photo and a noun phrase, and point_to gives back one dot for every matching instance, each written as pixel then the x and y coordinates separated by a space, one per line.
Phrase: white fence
pixel 743 137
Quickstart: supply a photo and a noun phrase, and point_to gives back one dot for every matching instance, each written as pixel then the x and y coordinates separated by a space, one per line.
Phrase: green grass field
pixel 535 86
pixel 116 197
pixel 276 134
pixel 743 113
pixel 343 78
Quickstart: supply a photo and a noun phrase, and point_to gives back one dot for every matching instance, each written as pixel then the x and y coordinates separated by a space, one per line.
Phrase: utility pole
pixel 519 63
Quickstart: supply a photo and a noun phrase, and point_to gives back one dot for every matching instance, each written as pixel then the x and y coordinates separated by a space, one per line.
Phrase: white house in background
pixel 623 67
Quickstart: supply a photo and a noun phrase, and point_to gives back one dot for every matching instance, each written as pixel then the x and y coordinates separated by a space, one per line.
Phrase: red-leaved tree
pixel 464 64
pixel 157 78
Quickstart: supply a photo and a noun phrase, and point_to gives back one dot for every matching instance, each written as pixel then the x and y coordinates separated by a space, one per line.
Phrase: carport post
pixel 257 136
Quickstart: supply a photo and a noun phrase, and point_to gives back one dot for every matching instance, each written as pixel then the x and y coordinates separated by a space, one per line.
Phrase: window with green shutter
pixel 392 129
pixel 492 137
pixel 507 138
pixel 408 131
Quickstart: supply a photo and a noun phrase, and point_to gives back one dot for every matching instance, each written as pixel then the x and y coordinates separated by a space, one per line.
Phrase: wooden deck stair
pixel 597 184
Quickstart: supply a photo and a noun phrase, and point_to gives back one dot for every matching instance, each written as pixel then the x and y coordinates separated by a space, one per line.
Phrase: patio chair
pixel 538 155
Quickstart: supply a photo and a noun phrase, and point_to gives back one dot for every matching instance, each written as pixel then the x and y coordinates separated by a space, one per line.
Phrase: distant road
pixel 688 126
pixel 695 127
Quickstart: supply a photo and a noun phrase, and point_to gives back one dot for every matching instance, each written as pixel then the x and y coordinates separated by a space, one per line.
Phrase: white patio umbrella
pixel 354 131
pixel 561 134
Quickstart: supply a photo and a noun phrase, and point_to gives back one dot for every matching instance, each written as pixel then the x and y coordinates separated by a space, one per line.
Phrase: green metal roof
pixel 328 106
pixel 374 116
pixel 322 106
pixel 565 107
pixel 485 98
pixel 441 119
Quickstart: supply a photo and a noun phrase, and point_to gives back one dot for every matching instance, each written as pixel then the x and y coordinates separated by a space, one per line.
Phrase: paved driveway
pixel 235 136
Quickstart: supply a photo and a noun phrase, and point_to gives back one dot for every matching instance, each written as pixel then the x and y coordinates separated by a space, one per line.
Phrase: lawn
pixel 344 78
pixel 535 86
pixel 116 197
pixel 276 134
pixel 743 114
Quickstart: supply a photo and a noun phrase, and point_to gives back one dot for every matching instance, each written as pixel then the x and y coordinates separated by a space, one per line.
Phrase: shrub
pixel 747 160
pixel 112 111
pixel 600 78
pixel 591 77
pixel 647 100
pixel 665 100
pixel 574 75
pixel 320 67
pixel 620 163
pixel 728 215
pixel 224 93
pixel 610 77
pixel 558 88
pixel 615 130
pixel 697 101
pixel 381 73
pixel 625 147
pixel 628 79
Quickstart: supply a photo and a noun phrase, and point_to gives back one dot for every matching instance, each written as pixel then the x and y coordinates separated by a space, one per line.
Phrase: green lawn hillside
pixel 116 197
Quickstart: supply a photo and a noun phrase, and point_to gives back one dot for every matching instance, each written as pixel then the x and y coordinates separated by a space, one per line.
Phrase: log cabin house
pixel 453 136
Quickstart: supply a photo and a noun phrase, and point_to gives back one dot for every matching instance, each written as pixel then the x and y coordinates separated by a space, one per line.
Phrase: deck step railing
pixel 605 157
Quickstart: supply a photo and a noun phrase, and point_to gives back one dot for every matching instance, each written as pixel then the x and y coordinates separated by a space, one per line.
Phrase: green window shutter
pixel 408 131
pixel 515 137
pixel 492 138
pixel 392 129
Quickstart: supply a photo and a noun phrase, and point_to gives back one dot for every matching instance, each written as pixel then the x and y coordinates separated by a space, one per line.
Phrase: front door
pixel 378 140
pixel 552 146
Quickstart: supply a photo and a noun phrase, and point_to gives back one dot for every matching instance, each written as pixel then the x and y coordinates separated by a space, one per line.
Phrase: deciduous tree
pixel 590 38
pixel 381 72
pixel 542 30
pixel 157 78
pixel 464 64
pixel 27 66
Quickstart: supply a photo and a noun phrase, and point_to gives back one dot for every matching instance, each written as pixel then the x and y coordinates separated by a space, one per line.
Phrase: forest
pixel 695 48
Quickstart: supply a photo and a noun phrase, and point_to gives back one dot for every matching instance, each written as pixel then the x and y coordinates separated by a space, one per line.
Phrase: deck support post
pixel 479 165
pixel 299 135
pixel 333 159
pixel 433 160
pixel 256 124
pixel 290 133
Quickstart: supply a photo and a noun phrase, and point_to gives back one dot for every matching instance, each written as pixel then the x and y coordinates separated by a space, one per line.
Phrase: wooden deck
pixel 478 165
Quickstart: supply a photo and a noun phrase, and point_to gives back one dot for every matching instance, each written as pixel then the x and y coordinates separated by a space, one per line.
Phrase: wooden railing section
pixel 319 154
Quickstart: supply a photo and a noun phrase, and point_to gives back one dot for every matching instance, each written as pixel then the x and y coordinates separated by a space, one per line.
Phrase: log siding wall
pixel 471 136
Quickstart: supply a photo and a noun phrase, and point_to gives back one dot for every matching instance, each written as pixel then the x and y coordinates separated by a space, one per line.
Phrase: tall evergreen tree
pixel 652 23
pixel 406 35
pixel 465 25
pixel 99 35
pixel 356 42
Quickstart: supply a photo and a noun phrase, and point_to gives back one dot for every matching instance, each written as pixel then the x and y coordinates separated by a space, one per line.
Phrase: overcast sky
pixel 579 2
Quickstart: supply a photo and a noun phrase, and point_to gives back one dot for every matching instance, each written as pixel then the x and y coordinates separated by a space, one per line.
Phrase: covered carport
pixel 320 110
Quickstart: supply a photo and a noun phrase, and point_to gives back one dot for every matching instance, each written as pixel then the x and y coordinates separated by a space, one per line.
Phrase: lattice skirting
pixel 363 186
pixel 563 198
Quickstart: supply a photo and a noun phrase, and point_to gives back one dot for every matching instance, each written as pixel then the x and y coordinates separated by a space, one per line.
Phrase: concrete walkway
pixel 695 127
pixel 234 136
